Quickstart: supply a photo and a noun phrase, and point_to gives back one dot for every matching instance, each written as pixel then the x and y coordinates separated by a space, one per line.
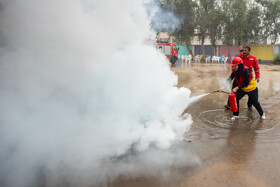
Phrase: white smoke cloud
pixel 79 88
pixel 162 16
pixel 225 84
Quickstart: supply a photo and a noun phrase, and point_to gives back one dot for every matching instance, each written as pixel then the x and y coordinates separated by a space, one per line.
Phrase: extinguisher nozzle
pixel 214 91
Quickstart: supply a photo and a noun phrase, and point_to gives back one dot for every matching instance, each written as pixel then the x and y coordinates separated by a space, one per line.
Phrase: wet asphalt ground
pixel 244 152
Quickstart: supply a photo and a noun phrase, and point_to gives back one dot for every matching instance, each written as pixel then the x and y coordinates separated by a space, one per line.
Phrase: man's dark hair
pixel 248 47
pixel 241 50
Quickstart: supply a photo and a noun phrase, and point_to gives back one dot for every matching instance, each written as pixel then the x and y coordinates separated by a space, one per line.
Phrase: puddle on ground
pixel 243 152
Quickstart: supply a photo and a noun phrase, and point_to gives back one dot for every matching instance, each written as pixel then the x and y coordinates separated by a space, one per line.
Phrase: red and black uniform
pixel 243 77
pixel 251 62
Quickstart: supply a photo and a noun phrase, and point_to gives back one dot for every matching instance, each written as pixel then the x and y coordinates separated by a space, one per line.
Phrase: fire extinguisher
pixel 232 102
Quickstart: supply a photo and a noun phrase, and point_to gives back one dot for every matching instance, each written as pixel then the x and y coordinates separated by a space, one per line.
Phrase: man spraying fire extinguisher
pixel 246 85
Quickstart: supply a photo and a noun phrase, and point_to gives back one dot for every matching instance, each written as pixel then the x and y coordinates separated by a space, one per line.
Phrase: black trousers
pixel 253 97
pixel 234 84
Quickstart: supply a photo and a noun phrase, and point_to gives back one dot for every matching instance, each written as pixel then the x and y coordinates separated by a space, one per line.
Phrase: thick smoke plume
pixel 83 99
pixel 162 16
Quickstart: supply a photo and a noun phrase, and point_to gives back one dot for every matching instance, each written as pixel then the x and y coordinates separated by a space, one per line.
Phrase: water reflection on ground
pixel 244 152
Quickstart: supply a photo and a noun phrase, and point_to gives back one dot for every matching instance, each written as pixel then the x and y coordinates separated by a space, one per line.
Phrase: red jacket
pixel 251 62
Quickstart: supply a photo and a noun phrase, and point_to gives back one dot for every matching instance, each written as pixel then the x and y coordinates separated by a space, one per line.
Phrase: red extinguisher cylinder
pixel 232 102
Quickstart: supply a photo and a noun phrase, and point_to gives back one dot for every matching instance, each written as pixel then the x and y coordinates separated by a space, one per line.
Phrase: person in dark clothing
pixel 234 84
pixel 251 63
pixel 246 85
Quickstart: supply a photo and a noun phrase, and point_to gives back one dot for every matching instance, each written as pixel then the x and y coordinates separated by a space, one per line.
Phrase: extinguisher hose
pixel 221 91
pixel 226 92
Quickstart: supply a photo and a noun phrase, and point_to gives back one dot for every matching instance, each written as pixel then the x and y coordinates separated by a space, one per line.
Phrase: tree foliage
pixel 235 22
pixel 184 9
pixel 271 18
pixel 204 14
pixel 214 26
pixel 241 22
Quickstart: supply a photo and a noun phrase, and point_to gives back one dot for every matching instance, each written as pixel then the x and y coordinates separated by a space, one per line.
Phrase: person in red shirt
pixel 250 62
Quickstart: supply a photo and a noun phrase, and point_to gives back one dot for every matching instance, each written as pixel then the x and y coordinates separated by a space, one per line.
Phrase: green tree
pixel 204 7
pixel 236 22
pixel 238 13
pixel 271 20
pixel 236 27
pixel 228 24
pixel 214 24
pixel 252 27
pixel 184 9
